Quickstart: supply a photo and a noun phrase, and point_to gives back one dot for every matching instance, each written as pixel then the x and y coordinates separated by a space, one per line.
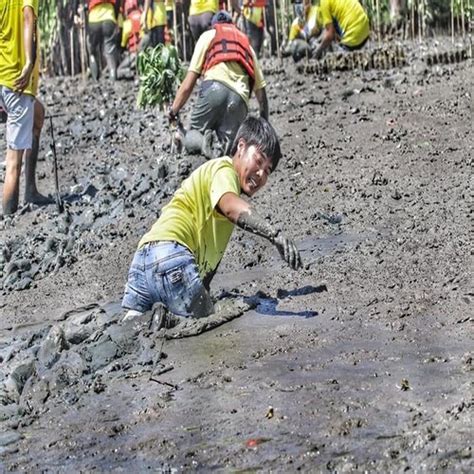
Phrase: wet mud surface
pixel 360 361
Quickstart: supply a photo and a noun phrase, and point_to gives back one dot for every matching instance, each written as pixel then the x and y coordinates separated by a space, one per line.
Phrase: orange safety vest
pixel 134 39
pixel 93 3
pixel 255 3
pixel 230 44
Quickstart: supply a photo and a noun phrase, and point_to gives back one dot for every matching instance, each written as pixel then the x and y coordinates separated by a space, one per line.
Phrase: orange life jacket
pixel 230 44
pixel 93 3
pixel 129 6
pixel 134 38
pixel 255 3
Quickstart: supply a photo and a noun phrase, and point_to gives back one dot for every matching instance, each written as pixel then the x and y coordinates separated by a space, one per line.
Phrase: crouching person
pixel 178 257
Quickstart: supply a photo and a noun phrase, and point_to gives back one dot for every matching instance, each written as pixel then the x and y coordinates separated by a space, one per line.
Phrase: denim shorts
pixel 165 272
pixel 20 118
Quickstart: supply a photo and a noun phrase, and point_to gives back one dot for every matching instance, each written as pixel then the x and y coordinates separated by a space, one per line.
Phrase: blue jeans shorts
pixel 166 272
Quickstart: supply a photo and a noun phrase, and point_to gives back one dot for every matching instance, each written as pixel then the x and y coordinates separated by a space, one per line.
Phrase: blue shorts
pixel 166 272
pixel 20 117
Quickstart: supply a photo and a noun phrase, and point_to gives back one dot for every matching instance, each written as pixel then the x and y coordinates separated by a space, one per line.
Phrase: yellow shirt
pixel 169 5
pixel 157 16
pixel 231 73
pixel 127 28
pixel 311 25
pixel 102 12
pixel 349 18
pixel 254 14
pixel 202 6
pixel 191 218
pixel 12 49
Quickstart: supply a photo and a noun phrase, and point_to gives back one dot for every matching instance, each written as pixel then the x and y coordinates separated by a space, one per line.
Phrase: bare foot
pixel 38 199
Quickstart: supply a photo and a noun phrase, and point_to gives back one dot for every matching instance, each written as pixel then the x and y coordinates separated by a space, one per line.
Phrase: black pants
pixel 199 24
pixel 104 35
pixel 153 37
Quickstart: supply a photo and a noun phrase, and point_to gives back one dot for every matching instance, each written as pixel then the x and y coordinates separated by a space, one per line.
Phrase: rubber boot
pixel 94 67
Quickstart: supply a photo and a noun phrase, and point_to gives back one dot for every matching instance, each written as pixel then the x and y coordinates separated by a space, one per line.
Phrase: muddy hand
pixel 288 252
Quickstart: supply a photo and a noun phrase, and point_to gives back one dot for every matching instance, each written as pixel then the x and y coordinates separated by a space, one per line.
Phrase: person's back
pixel 349 18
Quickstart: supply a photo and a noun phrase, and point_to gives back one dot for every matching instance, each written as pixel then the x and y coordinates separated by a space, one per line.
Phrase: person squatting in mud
pixel 345 21
pixel 229 77
pixel 304 32
pixel 177 259
pixel 24 115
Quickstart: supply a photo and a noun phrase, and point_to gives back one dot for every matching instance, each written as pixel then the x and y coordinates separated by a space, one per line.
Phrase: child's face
pixel 254 169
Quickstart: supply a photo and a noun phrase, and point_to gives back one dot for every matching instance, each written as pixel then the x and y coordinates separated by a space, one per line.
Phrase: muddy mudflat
pixel 362 361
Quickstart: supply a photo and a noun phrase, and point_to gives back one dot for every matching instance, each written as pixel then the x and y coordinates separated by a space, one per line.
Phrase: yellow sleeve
pixel 126 31
pixel 200 51
pixel 224 181
pixel 325 14
pixel 33 4
pixel 294 30
pixel 260 82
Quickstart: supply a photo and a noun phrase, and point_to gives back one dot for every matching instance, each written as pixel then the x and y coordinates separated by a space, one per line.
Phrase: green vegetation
pixel 160 74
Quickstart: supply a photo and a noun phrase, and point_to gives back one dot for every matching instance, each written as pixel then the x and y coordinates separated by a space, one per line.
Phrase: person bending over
pixel 177 259
pixel 230 74
pixel 344 20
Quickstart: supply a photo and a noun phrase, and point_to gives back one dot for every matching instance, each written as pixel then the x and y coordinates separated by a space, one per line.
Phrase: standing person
pixel 153 23
pixel 103 32
pixel 177 259
pixel 19 75
pixel 345 21
pixel 229 77
pixel 200 16
pixel 253 12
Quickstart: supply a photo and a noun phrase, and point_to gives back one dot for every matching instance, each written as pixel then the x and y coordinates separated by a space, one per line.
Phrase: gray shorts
pixel 20 109
pixel 218 108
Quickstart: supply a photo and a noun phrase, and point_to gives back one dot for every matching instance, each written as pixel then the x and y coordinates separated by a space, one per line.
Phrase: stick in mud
pixel 275 15
pixel 59 203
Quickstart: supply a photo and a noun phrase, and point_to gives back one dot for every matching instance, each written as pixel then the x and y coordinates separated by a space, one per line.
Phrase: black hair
pixel 258 132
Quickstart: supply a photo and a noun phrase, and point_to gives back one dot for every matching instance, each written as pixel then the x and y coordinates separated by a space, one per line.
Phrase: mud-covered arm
pixel 30 42
pixel 244 216
pixel 184 91
pixel 328 37
pixel 261 96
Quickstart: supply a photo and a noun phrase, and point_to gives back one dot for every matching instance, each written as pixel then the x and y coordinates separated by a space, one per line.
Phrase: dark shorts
pixel 106 33
pixel 199 24
pixel 218 108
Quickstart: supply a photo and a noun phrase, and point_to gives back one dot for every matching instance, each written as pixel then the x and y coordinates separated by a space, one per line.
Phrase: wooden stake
pixel 377 6
pixel 183 23
pixel 463 26
pixel 277 35
pixel 452 21
pixel 175 25
pixel 418 11
pixel 82 45
pixel 412 19
pixel 71 41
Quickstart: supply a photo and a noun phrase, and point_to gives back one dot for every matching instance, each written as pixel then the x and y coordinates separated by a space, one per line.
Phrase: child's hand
pixel 288 251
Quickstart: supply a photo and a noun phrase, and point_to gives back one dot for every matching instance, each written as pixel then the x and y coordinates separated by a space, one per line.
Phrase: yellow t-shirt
pixel 12 49
pixel 254 14
pixel 311 24
pixel 231 73
pixel 169 5
pixel 202 6
pixel 157 16
pixel 191 218
pixel 349 18
pixel 127 28
pixel 102 12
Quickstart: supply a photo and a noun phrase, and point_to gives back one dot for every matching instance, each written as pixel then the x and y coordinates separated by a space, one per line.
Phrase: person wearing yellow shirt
pixel 344 20
pixel 303 31
pixel 200 16
pixel 229 77
pixel 177 259
pixel 19 75
pixel 153 23
pixel 103 33
pixel 253 13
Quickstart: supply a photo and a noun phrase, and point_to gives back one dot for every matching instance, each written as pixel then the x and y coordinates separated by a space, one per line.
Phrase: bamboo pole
pixel 412 19
pixel 82 43
pixel 377 6
pixel 183 24
pixel 463 25
pixel 452 21
pixel 71 41
pixel 277 33
pixel 175 25
pixel 418 11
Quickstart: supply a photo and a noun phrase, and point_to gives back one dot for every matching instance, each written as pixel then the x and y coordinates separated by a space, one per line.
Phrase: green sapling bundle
pixel 160 74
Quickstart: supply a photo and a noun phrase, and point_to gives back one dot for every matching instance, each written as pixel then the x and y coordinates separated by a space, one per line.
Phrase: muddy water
pixel 361 361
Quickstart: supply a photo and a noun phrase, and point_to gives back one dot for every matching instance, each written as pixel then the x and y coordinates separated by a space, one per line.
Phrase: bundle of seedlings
pixel 160 74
